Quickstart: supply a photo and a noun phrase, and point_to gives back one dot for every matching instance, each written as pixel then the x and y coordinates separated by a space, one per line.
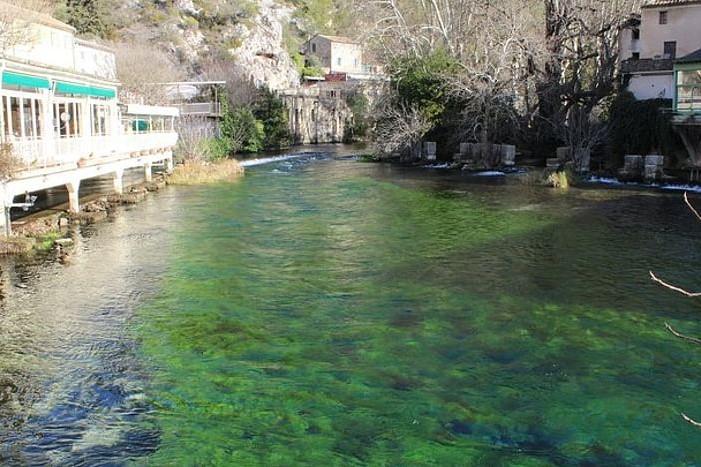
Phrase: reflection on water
pixel 70 388
pixel 56 196
pixel 336 312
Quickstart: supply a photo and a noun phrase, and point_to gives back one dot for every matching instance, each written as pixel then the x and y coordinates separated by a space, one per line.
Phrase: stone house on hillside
pixel 335 54
pixel 666 31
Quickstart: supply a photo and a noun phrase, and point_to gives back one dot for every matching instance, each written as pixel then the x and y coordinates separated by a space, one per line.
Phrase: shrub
pixel 198 173
pixel 640 127
pixel 359 123
pixel 215 149
pixel 558 180
pixel 272 113
pixel 241 129
pixel 9 162
pixel 420 82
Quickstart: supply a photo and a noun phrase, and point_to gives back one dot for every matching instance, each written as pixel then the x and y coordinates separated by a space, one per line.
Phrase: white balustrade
pixel 37 153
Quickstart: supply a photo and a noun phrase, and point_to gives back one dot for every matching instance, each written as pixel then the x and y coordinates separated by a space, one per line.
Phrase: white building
pixel 335 54
pixel 667 30
pixel 59 115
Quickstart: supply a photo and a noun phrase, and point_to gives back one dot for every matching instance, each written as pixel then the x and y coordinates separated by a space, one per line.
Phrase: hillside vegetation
pixel 195 33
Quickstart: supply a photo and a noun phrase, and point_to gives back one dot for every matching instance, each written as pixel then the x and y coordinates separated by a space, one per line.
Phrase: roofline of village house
pixel 95 45
pixel 669 3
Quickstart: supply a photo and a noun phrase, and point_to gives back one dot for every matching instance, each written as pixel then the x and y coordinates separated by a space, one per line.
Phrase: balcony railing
pixel 37 153
pixel 688 99
pixel 200 108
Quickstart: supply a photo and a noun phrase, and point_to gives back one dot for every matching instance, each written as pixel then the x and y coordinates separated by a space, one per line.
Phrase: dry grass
pixel 200 173
pixel 17 245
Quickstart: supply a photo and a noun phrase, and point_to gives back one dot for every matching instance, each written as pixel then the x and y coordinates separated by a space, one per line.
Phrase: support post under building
pixel 118 179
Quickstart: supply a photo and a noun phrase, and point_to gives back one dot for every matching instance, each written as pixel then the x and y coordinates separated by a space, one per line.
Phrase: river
pixel 327 311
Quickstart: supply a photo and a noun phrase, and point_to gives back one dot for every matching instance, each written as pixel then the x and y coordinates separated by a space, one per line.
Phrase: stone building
pixel 665 31
pixel 318 114
pixel 335 54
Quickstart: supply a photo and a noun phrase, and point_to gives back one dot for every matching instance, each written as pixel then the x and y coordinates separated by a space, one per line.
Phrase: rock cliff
pixel 262 52
pixel 195 32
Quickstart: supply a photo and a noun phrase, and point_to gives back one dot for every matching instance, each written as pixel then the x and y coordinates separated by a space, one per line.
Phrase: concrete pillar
pixel 429 150
pixel 48 132
pixel 148 176
pixel 118 179
pixel 169 164
pixel 5 222
pixel 73 196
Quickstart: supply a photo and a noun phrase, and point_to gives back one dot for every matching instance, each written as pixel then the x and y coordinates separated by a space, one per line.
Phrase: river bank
pixel 46 229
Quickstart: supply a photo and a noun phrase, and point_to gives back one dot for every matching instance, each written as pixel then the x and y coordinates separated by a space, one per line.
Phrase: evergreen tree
pixel 272 112
pixel 88 17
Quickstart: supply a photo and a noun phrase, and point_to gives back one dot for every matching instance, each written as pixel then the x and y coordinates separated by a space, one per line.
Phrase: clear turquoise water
pixel 332 312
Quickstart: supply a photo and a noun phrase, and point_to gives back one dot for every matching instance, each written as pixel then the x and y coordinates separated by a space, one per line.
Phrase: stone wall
pixel 318 114
pixel 489 156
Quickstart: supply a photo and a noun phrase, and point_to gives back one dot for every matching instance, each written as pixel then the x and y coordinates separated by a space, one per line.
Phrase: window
pixel 636 34
pixel 688 90
pixel 14 118
pixel 663 17
pixel 100 117
pixel 338 61
pixel 22 118
pixel 67 118
pixel 635 56
pixel 670 49
pixel 314 48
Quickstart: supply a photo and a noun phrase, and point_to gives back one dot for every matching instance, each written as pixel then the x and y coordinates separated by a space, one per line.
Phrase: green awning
pixel 28 81
pixel 102 92
pixel 81 90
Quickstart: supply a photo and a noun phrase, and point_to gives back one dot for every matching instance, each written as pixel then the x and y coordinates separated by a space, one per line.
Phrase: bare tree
pixel 503 47
pixel 240 87
pixel 143 69
pixel 581 131
pixel 16 19
pixel 491 44
pixel 686 293
pixel 581 43
pixel 491 68
pixel 400 127
pixel 192 130
pixel 417 27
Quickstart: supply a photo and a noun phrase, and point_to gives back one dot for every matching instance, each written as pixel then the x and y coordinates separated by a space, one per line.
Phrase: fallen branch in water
pixel 691 420
pixel 673 287
pixel 682 336
pixel 690 206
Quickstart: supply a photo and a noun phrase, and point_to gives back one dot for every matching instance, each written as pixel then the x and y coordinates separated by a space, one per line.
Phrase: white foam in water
pixel 269 160
pixel 437 166
pixel 615 181
pixel 606 180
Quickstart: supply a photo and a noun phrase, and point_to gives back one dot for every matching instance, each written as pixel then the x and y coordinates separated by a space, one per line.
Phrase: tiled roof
pixel 670 3
pixel 647 65
pixel 342 39
pixel 691 58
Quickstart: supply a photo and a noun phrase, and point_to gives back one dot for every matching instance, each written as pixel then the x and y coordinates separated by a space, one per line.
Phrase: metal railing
pixel 689 101
pixel 42 153
pixel 200 108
